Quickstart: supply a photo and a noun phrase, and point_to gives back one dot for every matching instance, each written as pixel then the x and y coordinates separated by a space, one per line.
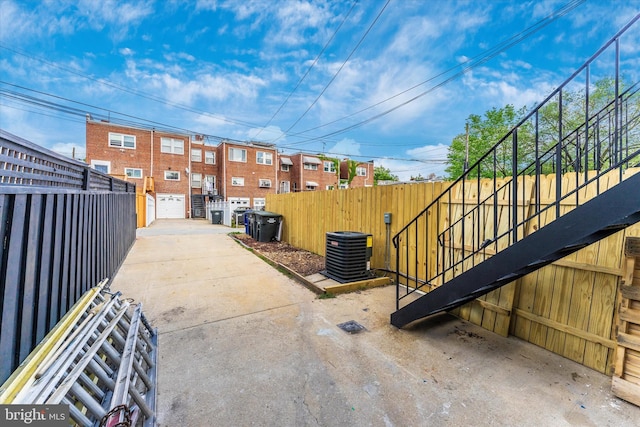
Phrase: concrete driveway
pixel 241 344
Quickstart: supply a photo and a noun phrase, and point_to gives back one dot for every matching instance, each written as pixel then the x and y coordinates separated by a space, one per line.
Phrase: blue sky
pixel 369 79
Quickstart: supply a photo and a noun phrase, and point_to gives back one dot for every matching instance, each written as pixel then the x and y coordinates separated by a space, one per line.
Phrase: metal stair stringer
pixel 596 219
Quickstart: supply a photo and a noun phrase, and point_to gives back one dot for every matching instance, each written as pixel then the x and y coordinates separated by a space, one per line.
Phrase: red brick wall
pixel 97 145
pixel 358 181
pixel 250 170
pixel 301 176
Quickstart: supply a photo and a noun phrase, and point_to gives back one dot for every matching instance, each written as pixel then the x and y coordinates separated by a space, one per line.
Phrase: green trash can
pixel 266 225
pixel 216 217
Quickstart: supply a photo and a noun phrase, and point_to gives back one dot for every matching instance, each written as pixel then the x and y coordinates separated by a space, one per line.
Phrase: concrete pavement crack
pixel 160 332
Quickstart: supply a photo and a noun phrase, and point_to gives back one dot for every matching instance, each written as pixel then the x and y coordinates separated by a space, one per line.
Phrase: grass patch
pixel 326 295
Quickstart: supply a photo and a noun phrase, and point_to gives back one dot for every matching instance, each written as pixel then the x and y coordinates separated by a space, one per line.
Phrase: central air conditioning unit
pixel 348 256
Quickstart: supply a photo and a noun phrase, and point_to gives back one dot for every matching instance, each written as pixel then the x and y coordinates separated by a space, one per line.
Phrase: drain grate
pixel 351 327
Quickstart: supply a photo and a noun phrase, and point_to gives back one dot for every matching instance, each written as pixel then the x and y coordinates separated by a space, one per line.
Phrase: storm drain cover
pixel 351 327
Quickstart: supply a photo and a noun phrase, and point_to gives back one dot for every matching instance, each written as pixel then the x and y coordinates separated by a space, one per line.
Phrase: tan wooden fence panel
pixel 626 377
pixel 567 307
pixel 141 210
pixel 309 215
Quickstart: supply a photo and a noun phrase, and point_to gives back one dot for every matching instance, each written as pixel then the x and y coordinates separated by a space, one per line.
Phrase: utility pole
pixel 466 149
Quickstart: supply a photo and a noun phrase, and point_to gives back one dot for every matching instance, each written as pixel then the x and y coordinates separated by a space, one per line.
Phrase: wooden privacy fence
pixel 64 228
pixel 308 216
pixel 568 307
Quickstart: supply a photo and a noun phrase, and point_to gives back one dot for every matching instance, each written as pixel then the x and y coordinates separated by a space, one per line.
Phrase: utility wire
pixel 337 72
pixel 134 121
pixel 471 64
pixel 315 61
pixel 141 94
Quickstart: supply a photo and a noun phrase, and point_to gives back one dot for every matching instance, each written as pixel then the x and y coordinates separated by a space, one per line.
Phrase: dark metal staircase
pixel 500 220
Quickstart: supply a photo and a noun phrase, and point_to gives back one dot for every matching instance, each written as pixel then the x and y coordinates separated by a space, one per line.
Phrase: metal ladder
pixel 100 360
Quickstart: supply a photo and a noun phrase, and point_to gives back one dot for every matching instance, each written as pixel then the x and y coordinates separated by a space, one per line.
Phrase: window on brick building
pixel 264 183
pixel 196 180
pixel 196 155
pixel 285 168
pixel 103 166
pixel 237 181
pixel 210 157
pixel 171 146
pixel 121 140
pixel 361 171
pixel 329 167
pixel 237 155
pixel 264 158
pixel 311 166
pixel 171 176
pixel 133 172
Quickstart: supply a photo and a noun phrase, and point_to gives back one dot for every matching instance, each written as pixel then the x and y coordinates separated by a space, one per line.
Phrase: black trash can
pixel 216 217
pixel 267 225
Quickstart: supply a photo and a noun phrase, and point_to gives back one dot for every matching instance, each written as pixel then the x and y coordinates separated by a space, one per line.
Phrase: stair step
pixel 586 224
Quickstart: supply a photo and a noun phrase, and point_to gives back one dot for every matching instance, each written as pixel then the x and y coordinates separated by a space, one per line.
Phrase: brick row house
pixel 179 169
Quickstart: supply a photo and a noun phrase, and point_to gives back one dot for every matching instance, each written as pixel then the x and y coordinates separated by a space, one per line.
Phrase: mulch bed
pixel 302 262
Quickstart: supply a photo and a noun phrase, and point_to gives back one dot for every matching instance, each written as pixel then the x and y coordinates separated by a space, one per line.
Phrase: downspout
pixel 151 171
pixel 276 162
pixel 301 173
pixel 189 175
pixel 224 170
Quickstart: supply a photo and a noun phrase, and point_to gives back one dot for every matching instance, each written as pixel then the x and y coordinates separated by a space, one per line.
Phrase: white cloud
pixel 126 51
pixel 345 147
pixel 211 5
pixel 70 149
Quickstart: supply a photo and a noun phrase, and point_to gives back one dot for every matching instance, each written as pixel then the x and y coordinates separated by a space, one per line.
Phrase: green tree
pixel 484 132
pixel 380 173
pixel 562 118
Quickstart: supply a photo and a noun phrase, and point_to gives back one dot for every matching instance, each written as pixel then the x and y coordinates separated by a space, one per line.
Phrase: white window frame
pixel 360 171
pixel 329 167
pixel 264 158
pixel 232 155
pixel 128 170
pixel 330 187
pixel 264 183
pixel 119 140
pixel 171 173
pixel 237 181
pixel 210 157
pixel 311 166
pixel 259 202
pixel 196 155
pixel 311 187
pixel 196 180
pixel 171 145
pixel 106 163
pixel 285 168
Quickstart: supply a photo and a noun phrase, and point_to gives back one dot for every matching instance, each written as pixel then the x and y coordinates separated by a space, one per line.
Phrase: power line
pixel 310 68
pixel 138 121
pixel 337 72
pixel 472 63
pixel 125 89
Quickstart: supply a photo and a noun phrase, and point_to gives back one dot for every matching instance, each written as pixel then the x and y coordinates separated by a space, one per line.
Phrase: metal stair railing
pixel 498 200
pixel 100 360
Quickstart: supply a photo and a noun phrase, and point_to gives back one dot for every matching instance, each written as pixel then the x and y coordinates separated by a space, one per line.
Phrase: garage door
pixel 170 206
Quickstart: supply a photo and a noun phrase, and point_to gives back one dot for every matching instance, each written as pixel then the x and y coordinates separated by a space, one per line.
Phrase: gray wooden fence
pixel 63 228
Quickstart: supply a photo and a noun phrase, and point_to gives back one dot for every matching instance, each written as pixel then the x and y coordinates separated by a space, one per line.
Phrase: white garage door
pixel 170 206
